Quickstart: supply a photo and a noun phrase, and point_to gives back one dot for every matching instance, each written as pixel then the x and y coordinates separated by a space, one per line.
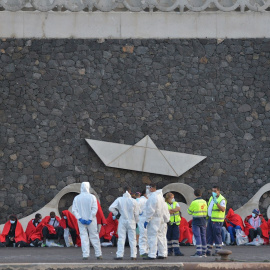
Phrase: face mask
pixel 173 200
pixel 114 217
pixel 65 217
pixel 12 221
pixel 39 220
pixel 52 218
pixel 253 215
pixel 214 194
pixel 137 199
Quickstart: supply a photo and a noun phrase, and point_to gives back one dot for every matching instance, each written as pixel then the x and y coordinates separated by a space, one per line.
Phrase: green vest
pixel 198 208
pixel 217 215
pixel 175 217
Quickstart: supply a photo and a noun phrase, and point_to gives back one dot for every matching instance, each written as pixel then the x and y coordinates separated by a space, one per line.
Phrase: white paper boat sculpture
pixel 144 156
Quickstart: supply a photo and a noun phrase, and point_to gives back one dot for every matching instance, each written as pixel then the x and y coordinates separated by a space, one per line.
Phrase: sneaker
pixel 85 258
pixel 43 245
pixel 149 258
pixel 32 245
pixel 99 258
pixel 196 255
pixel 144 255
pixel 180 254
pixel 118 258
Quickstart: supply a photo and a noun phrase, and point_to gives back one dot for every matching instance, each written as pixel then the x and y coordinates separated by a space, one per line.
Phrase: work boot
pixel 161 257
pixel 149 258
pixel 118 258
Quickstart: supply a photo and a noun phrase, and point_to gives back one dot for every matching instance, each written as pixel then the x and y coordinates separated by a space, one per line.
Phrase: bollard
pixel 224 254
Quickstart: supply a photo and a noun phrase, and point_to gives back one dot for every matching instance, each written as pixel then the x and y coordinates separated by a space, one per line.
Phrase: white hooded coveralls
pixel 143 246
pixel 155 216
pixel 129 210
pixel 85 207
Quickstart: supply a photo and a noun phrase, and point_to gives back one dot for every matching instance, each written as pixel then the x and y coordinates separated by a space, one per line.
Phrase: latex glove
pixel 215 200
pixel 88 222
pixel 83 221
pixel 145 224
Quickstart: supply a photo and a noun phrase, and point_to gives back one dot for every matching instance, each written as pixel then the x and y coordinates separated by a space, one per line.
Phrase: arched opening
pixel 264 204
pixel 177 196
pixel 66 201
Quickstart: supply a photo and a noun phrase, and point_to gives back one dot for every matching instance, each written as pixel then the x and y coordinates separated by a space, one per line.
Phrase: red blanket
pixel 264 227
pixel 269 225
pixel 72 223
pixel 19 232
pixel 100 216
pixel 235 219
pixel 45 222
pixel 32 232
pixel 110 229
pixel 185 231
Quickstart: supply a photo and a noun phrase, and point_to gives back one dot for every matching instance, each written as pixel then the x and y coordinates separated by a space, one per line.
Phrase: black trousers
pixel 59 233
pixel 73 235
pixel 10 243
pixel 253 233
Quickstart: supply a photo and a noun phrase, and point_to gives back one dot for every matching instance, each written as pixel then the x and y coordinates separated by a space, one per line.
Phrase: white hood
pixel 85 187
pixel 126 195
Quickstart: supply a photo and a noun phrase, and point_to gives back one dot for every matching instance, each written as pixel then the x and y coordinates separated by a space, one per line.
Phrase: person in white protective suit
pixel 85 209
pixel 154 223
pixel 143 246
pixel 128 209
pixel 162 239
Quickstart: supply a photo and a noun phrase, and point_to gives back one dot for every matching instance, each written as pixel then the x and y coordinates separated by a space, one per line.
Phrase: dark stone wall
pixel 191 96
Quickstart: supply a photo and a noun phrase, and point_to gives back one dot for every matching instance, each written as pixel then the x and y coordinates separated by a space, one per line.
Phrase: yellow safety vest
pixel 198 208
pixel 217 215
pixel 175 217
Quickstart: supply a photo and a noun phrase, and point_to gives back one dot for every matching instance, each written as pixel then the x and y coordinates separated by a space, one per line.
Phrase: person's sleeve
pixel 190 209
pixel 113 207
pixel 151 208
pixel 223 203
pixel 94 208
pixel 136 211
pixel 75 209
pixel 177 205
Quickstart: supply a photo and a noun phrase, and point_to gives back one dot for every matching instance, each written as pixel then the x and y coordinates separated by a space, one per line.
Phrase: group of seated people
pixel 52 227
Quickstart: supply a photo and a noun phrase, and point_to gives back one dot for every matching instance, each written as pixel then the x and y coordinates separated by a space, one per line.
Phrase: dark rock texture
pixel 191 96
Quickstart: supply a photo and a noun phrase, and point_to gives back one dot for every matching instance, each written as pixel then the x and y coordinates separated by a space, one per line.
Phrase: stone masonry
pixel 205 97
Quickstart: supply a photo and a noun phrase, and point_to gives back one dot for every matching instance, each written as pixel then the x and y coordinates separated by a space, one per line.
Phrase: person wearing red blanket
pixel 186 233
pixel 34 238
pixel 255 225
pixel 13 234
pixel 109 232
pixel 101 220
pixel 51 228
pixel 233 222
pixel 69 221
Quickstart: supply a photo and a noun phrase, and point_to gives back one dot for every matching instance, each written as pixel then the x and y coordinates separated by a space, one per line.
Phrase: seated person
pixel 256 225
pixel 233 222
pixel 32 235
pixel 101 220
pixel 51 228
pixel 108 233
pixel 68 221
pixel 13 234
pixel 186 233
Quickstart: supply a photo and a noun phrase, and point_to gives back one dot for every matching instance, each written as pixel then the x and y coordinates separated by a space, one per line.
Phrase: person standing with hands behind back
pixel 173 232
pixel 216 214
pixel 85 209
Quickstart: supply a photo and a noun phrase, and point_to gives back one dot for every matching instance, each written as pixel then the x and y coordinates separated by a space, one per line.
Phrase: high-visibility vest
pixel 198 208
pixel 217 215
pixel 175 217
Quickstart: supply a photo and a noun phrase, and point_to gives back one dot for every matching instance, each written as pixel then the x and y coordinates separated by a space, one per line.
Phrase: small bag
pixel 68 238
pixel 241 238
pixel 258 241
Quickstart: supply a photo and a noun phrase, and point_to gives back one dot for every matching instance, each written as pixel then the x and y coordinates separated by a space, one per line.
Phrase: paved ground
pixel 73 255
